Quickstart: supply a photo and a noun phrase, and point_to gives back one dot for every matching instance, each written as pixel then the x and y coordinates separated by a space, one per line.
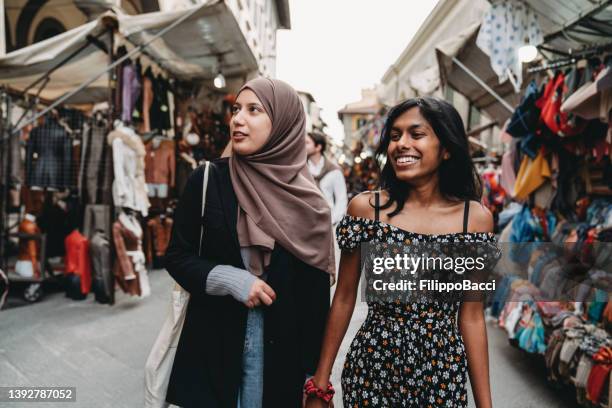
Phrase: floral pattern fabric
pixel 404 354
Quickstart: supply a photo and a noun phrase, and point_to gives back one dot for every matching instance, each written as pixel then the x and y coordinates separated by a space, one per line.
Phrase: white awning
pixel 190 51
pixel 463 48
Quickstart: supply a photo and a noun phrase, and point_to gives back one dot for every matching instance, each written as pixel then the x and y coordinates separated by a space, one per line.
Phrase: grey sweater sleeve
pixel 228 280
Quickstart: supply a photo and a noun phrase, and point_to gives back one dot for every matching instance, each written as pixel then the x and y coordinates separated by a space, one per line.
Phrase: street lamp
pixel 219 81
pixel 527 53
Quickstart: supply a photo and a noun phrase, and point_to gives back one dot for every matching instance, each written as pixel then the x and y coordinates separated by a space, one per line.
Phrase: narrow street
pixel 101 350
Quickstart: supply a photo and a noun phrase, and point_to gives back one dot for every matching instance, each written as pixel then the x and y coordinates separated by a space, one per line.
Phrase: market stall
pixel 554 181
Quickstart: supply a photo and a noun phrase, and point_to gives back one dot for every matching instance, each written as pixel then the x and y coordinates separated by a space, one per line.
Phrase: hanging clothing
pixel 96 175
pixel 531 175
pixel 54 221
pixel 160 112
pixel 503 31
pixel 129 188
pixel 29 248
pixel 157 236
pixel 130 90
pixel 508 176
pixel 77 259
pixel 96 218
pixel 129 266
pixel 160 164
pixel 525 117
pixel 49 156
pixel 103 281
pixel 560 123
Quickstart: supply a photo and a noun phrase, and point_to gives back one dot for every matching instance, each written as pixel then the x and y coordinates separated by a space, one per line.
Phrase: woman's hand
pixel 260 293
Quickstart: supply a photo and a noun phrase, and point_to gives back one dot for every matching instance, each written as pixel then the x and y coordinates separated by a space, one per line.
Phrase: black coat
pixel 49 156
pixel 208 364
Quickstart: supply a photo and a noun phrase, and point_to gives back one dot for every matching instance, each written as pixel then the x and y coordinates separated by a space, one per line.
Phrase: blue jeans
pixel 250 394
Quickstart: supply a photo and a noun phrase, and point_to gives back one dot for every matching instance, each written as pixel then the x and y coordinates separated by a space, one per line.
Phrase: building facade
pixel 314 122
pixel 357 114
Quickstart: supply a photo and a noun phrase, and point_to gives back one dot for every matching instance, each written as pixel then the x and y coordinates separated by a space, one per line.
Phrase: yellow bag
pixel 531 175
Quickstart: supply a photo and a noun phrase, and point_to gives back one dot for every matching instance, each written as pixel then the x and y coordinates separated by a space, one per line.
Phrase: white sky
pixel 337 47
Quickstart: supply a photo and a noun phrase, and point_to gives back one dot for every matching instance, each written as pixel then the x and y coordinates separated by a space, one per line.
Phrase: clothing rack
pixel 573 57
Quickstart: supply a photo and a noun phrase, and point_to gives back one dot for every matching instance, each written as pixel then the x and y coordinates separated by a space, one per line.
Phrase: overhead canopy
pixel 195 49
pixel 463 47
pixel 565 24
pixel 571 24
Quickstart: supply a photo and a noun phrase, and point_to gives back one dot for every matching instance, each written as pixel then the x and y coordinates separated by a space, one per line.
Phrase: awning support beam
pixel 88 82
pixel 480 82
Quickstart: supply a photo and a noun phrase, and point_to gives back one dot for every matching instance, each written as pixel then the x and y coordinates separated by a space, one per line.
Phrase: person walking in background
pixel 259 293
pixel 328 175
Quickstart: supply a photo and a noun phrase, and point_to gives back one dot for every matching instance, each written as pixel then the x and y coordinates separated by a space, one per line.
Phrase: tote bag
pixel 161 358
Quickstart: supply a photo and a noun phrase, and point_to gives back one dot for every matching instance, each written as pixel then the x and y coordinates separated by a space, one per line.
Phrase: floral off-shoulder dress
pixel 404 354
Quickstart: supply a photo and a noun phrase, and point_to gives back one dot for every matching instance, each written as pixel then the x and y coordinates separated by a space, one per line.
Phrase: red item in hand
pixel 311 389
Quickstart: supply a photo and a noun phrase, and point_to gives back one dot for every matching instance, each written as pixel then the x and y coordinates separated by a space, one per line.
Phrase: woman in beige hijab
pixel 260 291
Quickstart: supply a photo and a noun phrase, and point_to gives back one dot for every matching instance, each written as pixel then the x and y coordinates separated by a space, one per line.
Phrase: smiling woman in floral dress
pixel 412 354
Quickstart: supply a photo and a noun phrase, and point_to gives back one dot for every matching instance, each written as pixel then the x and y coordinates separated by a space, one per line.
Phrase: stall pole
pixel 112 78
pixel 5 154
pixel 108 68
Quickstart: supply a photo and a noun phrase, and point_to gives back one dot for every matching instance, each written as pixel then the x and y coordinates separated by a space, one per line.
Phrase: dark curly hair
pixel 457 175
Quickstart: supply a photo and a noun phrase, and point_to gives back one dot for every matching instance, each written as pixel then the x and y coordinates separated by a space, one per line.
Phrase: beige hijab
pixel 277 197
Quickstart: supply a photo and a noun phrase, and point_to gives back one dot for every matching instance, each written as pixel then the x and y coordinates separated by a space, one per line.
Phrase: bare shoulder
pixel 362 205
pixel 480 218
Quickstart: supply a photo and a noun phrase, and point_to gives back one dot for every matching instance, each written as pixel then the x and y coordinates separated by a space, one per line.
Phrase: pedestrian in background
pixel 412 354
pixel 259 294
pixel 327 175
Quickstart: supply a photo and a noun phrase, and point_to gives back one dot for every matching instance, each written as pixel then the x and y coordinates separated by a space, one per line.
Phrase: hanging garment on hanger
pixel 97 218
pixel 102 282
pixel 78 261
pixel 147 101
pixel 531 175
pixel 130 90
pixel 503 31
pixel 160 167
pixel 49 156
pixel 96 176
pixel 130 263
pixel 508 176
pixel 560 123
pixel 524 119
pixel 54 221
pixel 159 106
pixel 158 233
pixel 129 187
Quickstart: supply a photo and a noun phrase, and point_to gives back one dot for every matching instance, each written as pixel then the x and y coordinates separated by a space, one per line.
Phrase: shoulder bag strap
pixel 204 188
